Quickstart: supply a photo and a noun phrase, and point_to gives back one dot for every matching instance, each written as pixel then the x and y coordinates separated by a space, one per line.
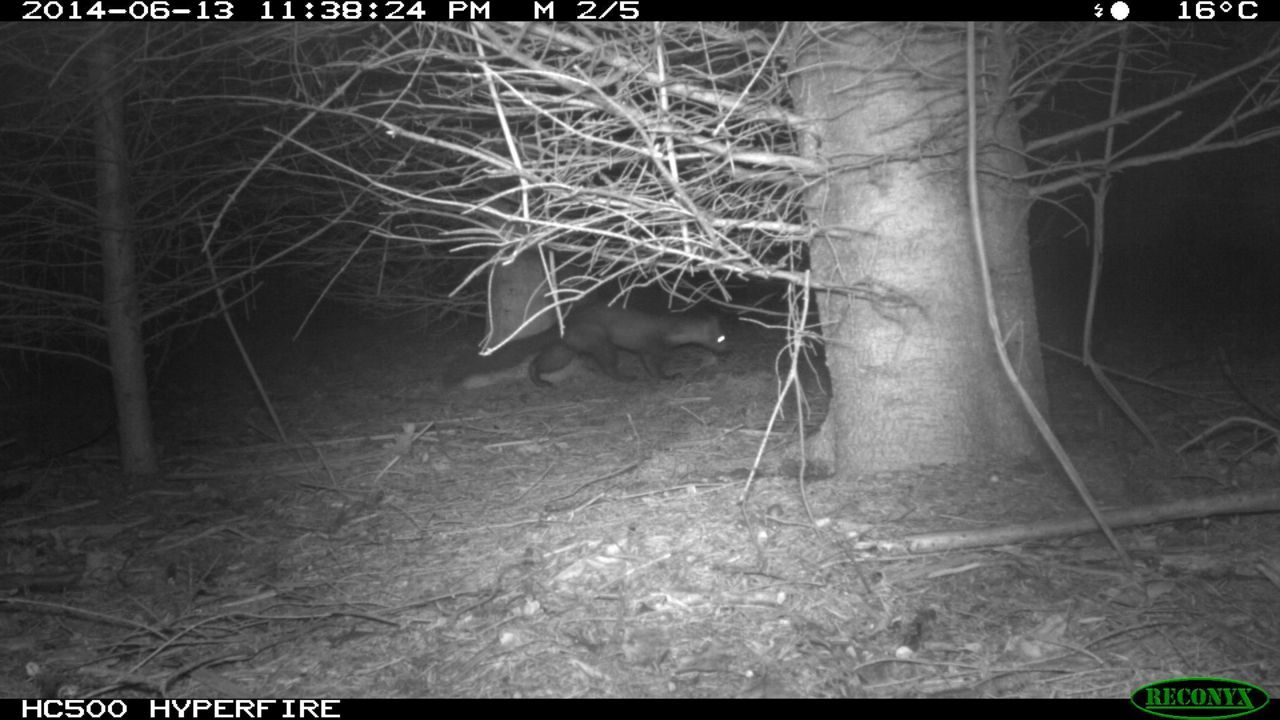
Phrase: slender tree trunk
pixel 120 303
pixel 517 292
pixel 915 384
pixel 518 287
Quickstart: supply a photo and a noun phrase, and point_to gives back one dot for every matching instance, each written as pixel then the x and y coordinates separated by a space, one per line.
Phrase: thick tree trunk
pixel 915 385
pixel 120 303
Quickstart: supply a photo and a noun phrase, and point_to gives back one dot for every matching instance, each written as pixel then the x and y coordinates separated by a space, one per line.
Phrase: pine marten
pixel 599 332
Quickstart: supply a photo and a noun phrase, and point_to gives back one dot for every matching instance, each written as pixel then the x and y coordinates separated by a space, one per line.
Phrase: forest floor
pixel 591 540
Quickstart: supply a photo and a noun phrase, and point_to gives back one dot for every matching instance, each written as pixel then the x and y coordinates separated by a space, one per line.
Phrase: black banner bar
pixel 624 10
pixel 281 709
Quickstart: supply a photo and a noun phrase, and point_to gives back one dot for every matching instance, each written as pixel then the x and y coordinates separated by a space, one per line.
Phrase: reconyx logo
pixel 1199 698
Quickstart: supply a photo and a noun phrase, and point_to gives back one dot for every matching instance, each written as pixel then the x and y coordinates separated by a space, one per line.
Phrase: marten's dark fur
pixel 599 331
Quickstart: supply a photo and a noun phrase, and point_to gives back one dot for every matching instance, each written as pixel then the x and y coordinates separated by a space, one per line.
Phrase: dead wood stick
pixel 1234 503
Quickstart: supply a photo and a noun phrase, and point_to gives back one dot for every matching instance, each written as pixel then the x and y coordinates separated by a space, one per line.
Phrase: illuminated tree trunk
pixel 918 383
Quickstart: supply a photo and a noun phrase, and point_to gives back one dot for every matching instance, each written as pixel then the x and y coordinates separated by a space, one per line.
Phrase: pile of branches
pixel 643 155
